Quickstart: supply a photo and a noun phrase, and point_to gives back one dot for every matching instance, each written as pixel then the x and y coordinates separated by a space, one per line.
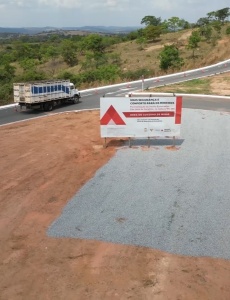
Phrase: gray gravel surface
pixel 176 201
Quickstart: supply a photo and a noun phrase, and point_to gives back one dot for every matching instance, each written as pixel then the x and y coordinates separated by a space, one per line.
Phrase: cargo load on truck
pixel 45 94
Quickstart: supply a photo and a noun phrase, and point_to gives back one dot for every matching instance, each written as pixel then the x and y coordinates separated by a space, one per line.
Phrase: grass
pixel 195 86
pixel 206 86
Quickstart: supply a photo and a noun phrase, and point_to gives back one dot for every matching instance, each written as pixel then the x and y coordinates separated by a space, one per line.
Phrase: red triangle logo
pixel 112 114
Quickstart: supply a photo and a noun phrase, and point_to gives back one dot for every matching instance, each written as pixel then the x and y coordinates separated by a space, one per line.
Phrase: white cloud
pixel 87 4
pixel 17 3
pixel 100 12
pixel 165 5
pixel 61 3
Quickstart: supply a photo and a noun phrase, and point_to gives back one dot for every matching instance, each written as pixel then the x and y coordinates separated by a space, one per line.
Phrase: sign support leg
pixel 129 142
pixel 105 143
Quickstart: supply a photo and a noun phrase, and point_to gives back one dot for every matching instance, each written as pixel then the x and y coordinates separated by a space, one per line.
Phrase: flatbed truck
pixel 45 94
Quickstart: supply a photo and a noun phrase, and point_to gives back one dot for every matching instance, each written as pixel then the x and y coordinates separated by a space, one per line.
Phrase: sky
pixel 78 13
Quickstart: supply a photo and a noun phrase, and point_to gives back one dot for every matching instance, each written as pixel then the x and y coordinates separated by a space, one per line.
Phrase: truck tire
pixel 75 99
pixel 48 106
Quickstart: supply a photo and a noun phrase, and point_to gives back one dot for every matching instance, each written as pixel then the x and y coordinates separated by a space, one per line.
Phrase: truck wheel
pixel 75 99
pixel 48 106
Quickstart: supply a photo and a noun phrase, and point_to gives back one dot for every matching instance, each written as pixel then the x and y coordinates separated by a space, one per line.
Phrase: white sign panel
pixel 140 116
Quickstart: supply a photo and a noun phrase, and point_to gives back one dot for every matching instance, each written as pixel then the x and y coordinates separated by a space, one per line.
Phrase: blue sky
pixel 60 13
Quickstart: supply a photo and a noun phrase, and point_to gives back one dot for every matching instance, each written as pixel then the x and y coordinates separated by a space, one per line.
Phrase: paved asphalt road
pixel 91 98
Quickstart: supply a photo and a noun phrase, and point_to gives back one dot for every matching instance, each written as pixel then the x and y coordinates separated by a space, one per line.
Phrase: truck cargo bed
pixel 42 91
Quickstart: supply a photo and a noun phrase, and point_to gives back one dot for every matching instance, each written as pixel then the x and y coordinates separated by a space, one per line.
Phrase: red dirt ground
pixel 43 163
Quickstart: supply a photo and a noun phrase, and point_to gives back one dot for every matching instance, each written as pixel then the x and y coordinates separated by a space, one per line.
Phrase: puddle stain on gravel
pixel 121 220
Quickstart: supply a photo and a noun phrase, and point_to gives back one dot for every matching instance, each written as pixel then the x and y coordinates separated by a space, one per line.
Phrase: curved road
pixel 91 98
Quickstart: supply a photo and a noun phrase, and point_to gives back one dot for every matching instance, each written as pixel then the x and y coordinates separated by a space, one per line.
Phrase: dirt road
pixel 43 163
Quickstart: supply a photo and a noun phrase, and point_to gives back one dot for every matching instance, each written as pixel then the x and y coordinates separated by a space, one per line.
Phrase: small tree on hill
pixel 152 32
pixel 206 32
pixel 193 42
pixel 175 23
pixel 170 58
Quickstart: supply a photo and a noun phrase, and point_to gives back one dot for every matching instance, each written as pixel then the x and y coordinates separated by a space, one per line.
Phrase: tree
pixel 6 58
pixel 26 50
pixel 52 51
pixel 222 14
pixel 6 93
pixel 217 26
pixel 22 50
pixel 185 24
pixel 94 43
pixel 94 60
pixel 151 20
pixel 211 15
pixel 164 26
pixel 219 15
pixel 206 31
pixel 28 64
pixel 170 58
pixel 193 41
pixel 152 32
pixel 228 30
pixel 141 41
pixel 7 72
pixel 202 22
pixel 68 52
pixel 175 23
pixel 132 35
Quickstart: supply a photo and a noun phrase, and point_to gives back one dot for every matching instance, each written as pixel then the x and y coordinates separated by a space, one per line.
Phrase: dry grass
pixel 216 85
pixel 134 56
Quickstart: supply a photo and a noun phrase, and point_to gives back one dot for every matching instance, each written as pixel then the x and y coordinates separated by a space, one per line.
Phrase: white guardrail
pixel 224 63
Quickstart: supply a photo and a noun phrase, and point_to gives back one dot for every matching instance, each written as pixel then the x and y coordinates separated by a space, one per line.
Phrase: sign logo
pixel 112 117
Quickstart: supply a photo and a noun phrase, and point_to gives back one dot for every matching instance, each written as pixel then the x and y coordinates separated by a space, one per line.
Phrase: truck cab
pixel 74 93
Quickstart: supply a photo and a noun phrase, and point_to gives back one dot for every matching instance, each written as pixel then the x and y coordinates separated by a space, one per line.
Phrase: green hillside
pixel 94 60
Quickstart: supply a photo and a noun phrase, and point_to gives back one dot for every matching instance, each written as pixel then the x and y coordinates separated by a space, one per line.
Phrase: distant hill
pixel 104 29
pixel 95 29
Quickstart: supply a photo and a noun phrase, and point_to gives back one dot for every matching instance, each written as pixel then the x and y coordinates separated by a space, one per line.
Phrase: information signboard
pixel 140 116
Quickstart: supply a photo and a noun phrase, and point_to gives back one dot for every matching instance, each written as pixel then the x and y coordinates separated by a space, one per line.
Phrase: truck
pixel 45 94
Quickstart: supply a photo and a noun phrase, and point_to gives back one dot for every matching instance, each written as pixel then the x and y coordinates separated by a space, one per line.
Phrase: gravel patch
pixel 175 201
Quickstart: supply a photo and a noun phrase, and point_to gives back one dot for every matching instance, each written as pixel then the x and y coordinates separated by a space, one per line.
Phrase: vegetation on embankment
pixel 159 48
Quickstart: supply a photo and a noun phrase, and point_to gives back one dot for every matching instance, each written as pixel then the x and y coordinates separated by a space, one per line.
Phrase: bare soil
pixel 220 85
pixel 43 162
